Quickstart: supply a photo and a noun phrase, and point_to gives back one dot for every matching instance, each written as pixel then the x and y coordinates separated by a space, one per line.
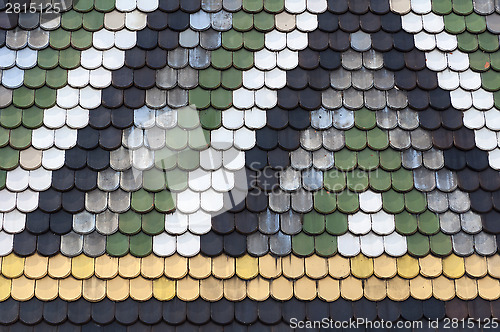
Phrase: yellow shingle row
pixel 259 289
pixel 247 267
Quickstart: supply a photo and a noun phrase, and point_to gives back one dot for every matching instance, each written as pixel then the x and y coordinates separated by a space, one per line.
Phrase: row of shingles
pixel 317 42
pixel 237 314
pixel 480 180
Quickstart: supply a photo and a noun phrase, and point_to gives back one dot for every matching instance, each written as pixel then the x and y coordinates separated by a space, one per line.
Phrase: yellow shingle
pixel 421 288
pixel 398 289
pixel 94 289
pixel 46 289
pixel 5 287
pixel 141 289
pixel 339 267
pixel 361 266
pixel 281 289
pixel 200 267
pixel 494 266
pixel 351 288
pixel 385 267
pixel 234 289
pixel 211 289
pixel 152 267
pixel 466 288
pixel 430 266
pixel 328 289
pixel 82 267
pixel 316 267
pixel 70 289
pixel 35 266
pixel 117 289
pixel 443 288
pixel 59 266
pixel 304 289
pixel 476 266
pixel 176 266
pixel 375 289
pixel 269 266
pixel 188 289
pixel 488 288
pixel 163 289
pixel 407 267
pixel 453 266
pixel 247 267
pixel 223 266
pixel 106 267
pixel 293 266
pixel 129 266
pixel 12 266
pixel 258 289
pixel 23 288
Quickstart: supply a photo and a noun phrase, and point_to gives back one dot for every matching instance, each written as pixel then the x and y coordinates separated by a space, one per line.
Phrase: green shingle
pixel 467 42
pixel 33 117
pixel 81 39
pixel 56 78
pixel 243 59
pixel 368 159
pixel 34 78
pixel 392 202
pixel 334 180
pixel 69 58
pixel 45 97
pixel 347 201
pixel 93 20
pixel 253 40
pixel 4 139
pixel 274 6
pixel 129 223
pixel 153 180
pixel 199 97
pixel 48 58
pixel 141 245
pixel 153 223
pixel 336 223
pixel 406 223
pixel 454 24
pixel 325 244
pixel 71 20
pixel 390 160
pixel 104 5
pixel 488 42
pixel 142 201
pixel 117 244
pixel 418 245
pixel 377 139
pixel 221 58
pixel 221 98
pixel 380 180
pixel 357 180
pixel 463 7
pixel 209 78
pixel 83 5
pixel 11 117
pixel 402 180
pixel 59 39
pixel 188 159
pixel 211 118
pixel 479 61
pixel 232 79
pixel 364 119
pixel 23 97
pixel 355 139
pixel 415 201
pixel 441 7
pixel 242 21
pixel 490 80
pixel 313 223
pixel 441 244
pixel 164 201
pixel 198 139
pixel 475 23
pixel 10 158
pixel 232 40
pixel 253 6
pixel 177 180
pixel 345 160
pixel 324 201
pixel 263 21
pixel 303 244
pixel 428 223
pixel 176 138
pixel 20 138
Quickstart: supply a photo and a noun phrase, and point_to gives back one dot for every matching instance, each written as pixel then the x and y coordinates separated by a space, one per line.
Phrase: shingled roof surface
pixel 237 164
